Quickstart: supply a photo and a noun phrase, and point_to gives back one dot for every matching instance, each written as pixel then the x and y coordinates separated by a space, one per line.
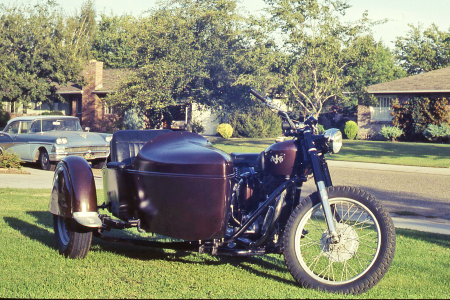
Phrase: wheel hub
pixel 345 248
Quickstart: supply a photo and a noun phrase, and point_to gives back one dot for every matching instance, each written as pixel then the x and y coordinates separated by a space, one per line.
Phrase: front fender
pixel 73 192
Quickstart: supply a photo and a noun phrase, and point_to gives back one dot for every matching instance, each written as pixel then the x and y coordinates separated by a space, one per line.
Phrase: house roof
pixel 112 78
pixel 437 81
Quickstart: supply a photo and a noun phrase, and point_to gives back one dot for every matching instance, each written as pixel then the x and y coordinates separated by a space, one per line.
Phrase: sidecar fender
pixel 73 193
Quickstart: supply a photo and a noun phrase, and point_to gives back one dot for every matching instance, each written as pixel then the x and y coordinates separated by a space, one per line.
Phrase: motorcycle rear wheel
pixel 361 257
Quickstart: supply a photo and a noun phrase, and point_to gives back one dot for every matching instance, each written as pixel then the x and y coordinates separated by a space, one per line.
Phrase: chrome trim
pixel 88 219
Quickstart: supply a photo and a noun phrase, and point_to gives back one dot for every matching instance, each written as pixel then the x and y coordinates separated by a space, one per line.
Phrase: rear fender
pixel 73 193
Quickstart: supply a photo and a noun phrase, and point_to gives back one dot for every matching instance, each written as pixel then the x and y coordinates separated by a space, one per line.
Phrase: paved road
pixel 417 197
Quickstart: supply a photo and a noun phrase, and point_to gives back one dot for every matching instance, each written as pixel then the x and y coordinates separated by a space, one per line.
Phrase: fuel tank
pixel 180 186
pixel 279 158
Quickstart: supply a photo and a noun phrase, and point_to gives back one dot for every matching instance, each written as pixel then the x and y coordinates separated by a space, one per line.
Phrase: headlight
pixel 334 137
pixel 61 141
pixel 108 138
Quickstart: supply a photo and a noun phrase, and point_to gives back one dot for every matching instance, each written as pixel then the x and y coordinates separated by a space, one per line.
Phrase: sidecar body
pixel 174 183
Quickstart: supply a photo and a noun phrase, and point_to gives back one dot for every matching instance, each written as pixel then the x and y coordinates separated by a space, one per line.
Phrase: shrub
pixel 413 116
pixel 391 133
pixel 437 133
pixel 320 129
pixel 133 119
pixel 4 118
pixel 225 130
pixel 197 126
pixel 257 122
pixel 9 160
pixel 351 130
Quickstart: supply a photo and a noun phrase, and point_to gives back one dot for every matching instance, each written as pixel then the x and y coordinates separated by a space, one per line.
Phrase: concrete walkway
pixel 39 179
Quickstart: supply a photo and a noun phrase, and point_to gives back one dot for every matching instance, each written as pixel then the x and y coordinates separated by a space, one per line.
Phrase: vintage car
pixel 48 139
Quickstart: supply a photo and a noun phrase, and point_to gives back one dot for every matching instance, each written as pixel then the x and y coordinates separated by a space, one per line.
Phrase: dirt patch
pixel 13 171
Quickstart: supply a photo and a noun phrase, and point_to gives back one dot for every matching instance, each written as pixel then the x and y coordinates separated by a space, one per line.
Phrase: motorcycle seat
pixel 245 159
pixel 126 144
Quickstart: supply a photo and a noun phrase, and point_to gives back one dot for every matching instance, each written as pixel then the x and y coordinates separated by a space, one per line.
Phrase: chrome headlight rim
pixel 108 138
pixel 334 137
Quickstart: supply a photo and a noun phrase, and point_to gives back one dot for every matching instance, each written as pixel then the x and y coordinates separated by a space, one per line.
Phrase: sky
pixel 399 12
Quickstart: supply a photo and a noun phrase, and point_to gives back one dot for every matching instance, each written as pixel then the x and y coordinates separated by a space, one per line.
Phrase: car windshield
pixel 56 124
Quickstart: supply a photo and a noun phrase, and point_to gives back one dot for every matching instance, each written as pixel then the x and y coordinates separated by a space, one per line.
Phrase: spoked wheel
pixel 360 257
pixel 71 239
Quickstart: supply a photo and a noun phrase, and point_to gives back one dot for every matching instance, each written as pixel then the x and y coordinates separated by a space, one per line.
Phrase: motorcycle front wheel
pixel 362 254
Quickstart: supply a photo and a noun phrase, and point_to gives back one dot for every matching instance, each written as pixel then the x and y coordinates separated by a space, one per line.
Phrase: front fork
pixel 323 180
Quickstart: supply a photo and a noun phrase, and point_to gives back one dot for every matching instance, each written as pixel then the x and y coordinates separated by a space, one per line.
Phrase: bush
pixel 437 133
pixel 4 118
pixel 351 130
pixel 320 129
pixel 197 126
pixel 257 122
pixel 133 119
pixel 10 160
pixel 414 115
pixel 391 133
pixel 225 130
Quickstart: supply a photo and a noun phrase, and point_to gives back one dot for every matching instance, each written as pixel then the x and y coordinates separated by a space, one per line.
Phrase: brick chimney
pixel 96 73
pixel 91 104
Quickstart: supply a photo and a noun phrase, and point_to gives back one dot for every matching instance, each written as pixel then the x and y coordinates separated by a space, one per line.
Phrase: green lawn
pixel 397 153
pixel 32 268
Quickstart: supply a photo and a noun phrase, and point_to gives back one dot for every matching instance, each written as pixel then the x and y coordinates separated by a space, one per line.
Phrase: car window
pixel 56 124
pixel 25 127
pixel 13 128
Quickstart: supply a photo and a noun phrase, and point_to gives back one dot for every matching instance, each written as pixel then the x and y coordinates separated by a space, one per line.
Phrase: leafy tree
pixel 423 51
pixel 117 40
pixel 320 49
pixel 39 48
pixel 191 51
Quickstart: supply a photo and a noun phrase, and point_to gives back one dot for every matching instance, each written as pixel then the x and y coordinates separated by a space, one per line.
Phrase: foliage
pixel 225 130
pixel 41 48
pixel 391 133
pixel 423 51
pixel 437 133
pixel 52 113
pixel 10 160
pixel 197 126
pixel 256 122
pixel 4 118
pixel 117 40
pixel 109 124
pixel 320 47
pixel 414 115
pixel 351 130
pixel 320 129
pixel 133 119
pixel 188 50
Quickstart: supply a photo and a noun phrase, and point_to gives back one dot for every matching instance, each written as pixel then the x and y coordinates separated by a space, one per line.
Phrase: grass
pixel 32 268
pixel 396 153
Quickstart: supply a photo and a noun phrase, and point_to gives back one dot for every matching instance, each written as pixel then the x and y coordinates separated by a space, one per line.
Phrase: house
pixel 87 102
pixel 433 84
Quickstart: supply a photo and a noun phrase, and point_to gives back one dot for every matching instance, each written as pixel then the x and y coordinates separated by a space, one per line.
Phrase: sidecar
pixel 171 183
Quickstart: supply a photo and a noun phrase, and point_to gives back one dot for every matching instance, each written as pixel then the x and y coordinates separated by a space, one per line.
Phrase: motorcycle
pixel 176 184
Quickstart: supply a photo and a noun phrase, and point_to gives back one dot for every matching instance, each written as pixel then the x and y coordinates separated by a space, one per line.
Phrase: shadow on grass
pixel 42 232
pixel 433 238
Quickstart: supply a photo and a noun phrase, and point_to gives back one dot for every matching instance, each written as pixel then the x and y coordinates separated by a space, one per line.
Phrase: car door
pixel 22 141
pixel 6 141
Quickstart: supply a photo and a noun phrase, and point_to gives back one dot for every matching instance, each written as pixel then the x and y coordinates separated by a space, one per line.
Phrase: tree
pixel 423 51
pixel 190 51
pixel 39 48
pixel 320 49
pixel 117 40
pixel 376 65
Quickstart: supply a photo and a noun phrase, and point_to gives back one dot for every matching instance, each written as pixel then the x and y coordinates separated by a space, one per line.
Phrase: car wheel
pixel 71 239
pixel 44 161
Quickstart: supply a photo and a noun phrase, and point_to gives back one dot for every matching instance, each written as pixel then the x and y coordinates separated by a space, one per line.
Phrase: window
pixel 382 112
pixel 109 110
pixel 79 106
pixel 13 128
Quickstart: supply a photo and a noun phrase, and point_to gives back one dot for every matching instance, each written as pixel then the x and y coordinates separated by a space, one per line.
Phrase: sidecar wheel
pixel 361 257
pixel 71 239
